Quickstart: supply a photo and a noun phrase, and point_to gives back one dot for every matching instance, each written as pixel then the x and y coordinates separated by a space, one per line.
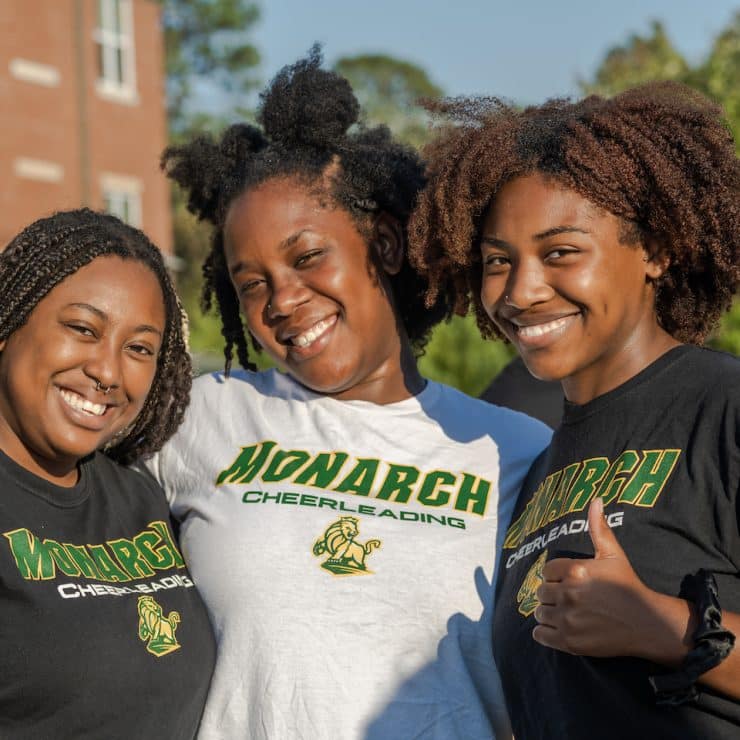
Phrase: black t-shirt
pixel 516 388
pixel 102 634
pixel 662 450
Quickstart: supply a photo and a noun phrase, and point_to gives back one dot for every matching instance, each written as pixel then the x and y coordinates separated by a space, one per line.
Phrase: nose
pixel 527 285
pixel 288 292
pixel 103 366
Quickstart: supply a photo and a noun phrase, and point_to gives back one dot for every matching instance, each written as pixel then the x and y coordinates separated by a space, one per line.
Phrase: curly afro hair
pixel 658 156
pixel 53 248
pixel 305 115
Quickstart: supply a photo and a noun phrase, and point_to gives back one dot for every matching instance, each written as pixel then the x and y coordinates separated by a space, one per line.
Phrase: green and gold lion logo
pixel 527 595
pixel 155 629
pixel 346 557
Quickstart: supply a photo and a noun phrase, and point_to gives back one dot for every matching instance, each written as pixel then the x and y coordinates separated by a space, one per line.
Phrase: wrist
pixel 667 629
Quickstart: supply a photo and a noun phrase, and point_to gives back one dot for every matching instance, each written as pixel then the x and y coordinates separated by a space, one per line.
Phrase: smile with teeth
pixel 311 335
pixel 78 403
pixel 539 330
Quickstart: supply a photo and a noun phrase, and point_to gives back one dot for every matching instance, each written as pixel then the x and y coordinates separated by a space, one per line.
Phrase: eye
pixel 81 329
pixel 249 286
pixel 560 253
pixel 308 257
pixel 495 263
pixel 141 349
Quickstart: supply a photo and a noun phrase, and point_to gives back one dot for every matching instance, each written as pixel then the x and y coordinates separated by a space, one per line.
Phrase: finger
pixel 547 636
pixel 605 543
pixel 546 615
pixel 561 569
pixel 547 593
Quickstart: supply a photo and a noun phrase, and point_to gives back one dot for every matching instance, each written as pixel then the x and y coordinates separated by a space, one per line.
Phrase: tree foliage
pixel 206 39
pixel 654 57
pixel 389 90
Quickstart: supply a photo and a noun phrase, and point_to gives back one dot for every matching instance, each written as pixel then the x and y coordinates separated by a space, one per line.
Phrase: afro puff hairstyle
pixel 305 118
pixel 53 248
pixel 658 156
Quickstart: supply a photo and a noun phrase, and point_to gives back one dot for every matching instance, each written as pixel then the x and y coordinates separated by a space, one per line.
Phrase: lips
pixel 84 413
pixel 536 334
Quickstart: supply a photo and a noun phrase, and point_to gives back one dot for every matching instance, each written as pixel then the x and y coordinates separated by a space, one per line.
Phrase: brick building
pixel 82 112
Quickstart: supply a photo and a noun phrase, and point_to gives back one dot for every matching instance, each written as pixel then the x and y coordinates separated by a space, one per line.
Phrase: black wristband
pixel 712 643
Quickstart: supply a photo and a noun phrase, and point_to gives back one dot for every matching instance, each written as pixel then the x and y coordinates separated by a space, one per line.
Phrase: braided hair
pixel 658 156
pixel 305 118
pixel 53 248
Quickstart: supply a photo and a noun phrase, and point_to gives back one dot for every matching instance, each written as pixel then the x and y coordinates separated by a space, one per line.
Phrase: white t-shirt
pixel 346 552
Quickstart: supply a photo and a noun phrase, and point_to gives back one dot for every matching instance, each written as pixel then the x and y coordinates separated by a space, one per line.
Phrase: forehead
pixel 535 202
pixel 278 208
pixel 118 287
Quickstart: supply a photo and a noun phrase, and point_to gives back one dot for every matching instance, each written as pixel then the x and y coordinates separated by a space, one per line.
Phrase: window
pixel 114 38
pixel 122 198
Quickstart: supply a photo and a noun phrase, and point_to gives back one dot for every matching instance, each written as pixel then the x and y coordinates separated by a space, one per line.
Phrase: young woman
pixel 601 238
pixel 342 515
pixel 103 634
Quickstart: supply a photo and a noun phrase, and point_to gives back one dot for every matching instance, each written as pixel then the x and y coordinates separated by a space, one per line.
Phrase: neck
pixel 392 382
pixel 584 386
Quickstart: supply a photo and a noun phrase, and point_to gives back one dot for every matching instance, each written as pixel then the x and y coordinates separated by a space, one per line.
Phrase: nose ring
pixel 106 389
pixel 507 300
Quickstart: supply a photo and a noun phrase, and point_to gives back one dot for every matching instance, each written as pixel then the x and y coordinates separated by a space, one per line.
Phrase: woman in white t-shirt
pixel 341 517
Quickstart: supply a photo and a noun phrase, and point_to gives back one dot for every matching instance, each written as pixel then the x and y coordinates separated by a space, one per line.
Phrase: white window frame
pixel 122 197
pixel 109 84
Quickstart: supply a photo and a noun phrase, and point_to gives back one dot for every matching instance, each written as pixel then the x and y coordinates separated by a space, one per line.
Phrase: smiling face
pixel 576 302
pixel 312 296
pixel 101 325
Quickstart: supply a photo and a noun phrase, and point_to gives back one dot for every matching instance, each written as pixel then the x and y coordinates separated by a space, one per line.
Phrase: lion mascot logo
pixel 155 629
pixel 346 556
pixel 527 595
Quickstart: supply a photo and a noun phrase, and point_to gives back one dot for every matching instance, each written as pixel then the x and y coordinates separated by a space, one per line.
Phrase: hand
pixel 595 607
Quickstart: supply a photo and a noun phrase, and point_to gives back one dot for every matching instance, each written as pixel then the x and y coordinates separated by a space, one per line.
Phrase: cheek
pixel 491 292
pixel 139 381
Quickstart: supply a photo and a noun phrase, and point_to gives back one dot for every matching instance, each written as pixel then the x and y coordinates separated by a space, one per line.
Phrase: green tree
pixel 204 40
pixel 654 57
pixel 388 90
pixel 640 59
pixel 207 40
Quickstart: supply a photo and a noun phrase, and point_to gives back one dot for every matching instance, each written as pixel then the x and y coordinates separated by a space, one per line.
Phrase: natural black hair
pixel 305 115
pixel 53 248
pixel 659 157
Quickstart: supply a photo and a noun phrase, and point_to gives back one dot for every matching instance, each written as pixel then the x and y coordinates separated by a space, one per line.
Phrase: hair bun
pixel 305 105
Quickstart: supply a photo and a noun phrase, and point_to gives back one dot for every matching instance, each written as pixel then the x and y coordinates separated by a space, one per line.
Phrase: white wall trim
pixel 38 169
pixel 29 71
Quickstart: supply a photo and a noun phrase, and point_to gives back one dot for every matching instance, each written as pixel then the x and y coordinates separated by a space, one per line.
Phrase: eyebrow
pixel 104 317
pixel 286 243
pixel 541 236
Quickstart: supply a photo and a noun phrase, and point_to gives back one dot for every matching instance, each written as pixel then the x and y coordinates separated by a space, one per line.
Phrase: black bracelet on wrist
pixel 712 643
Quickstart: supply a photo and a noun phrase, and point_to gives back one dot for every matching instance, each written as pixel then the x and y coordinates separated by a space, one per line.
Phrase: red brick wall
pixel 43 123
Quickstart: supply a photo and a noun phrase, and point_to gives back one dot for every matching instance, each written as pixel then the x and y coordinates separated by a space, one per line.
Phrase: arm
pixel 601 608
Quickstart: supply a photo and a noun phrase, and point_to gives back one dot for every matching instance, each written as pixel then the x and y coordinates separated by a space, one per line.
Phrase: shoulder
pixel 709 371
pixel 118 480
pixel 505 426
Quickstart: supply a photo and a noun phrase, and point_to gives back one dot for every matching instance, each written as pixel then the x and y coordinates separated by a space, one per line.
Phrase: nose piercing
pixel 507 300
pixel 106 389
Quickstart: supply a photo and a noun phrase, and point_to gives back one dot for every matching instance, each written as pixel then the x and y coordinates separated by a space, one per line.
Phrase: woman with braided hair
pixel 341 515
pixel 94 372
pixel 601 238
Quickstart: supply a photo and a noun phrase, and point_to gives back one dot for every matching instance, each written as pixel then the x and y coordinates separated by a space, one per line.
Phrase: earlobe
pixel 388 243
pixel 657 262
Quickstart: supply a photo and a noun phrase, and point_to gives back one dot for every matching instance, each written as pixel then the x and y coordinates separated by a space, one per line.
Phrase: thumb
pixel 603 539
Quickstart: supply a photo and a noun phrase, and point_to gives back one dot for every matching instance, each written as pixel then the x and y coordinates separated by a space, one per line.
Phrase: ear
pixel 2 344
pixel 656 259
pixel 388 243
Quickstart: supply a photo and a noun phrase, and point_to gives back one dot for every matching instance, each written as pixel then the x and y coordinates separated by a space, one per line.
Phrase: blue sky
pixel 526 50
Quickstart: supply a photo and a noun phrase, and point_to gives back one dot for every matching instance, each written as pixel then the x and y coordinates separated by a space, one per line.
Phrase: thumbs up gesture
pixel 595 607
